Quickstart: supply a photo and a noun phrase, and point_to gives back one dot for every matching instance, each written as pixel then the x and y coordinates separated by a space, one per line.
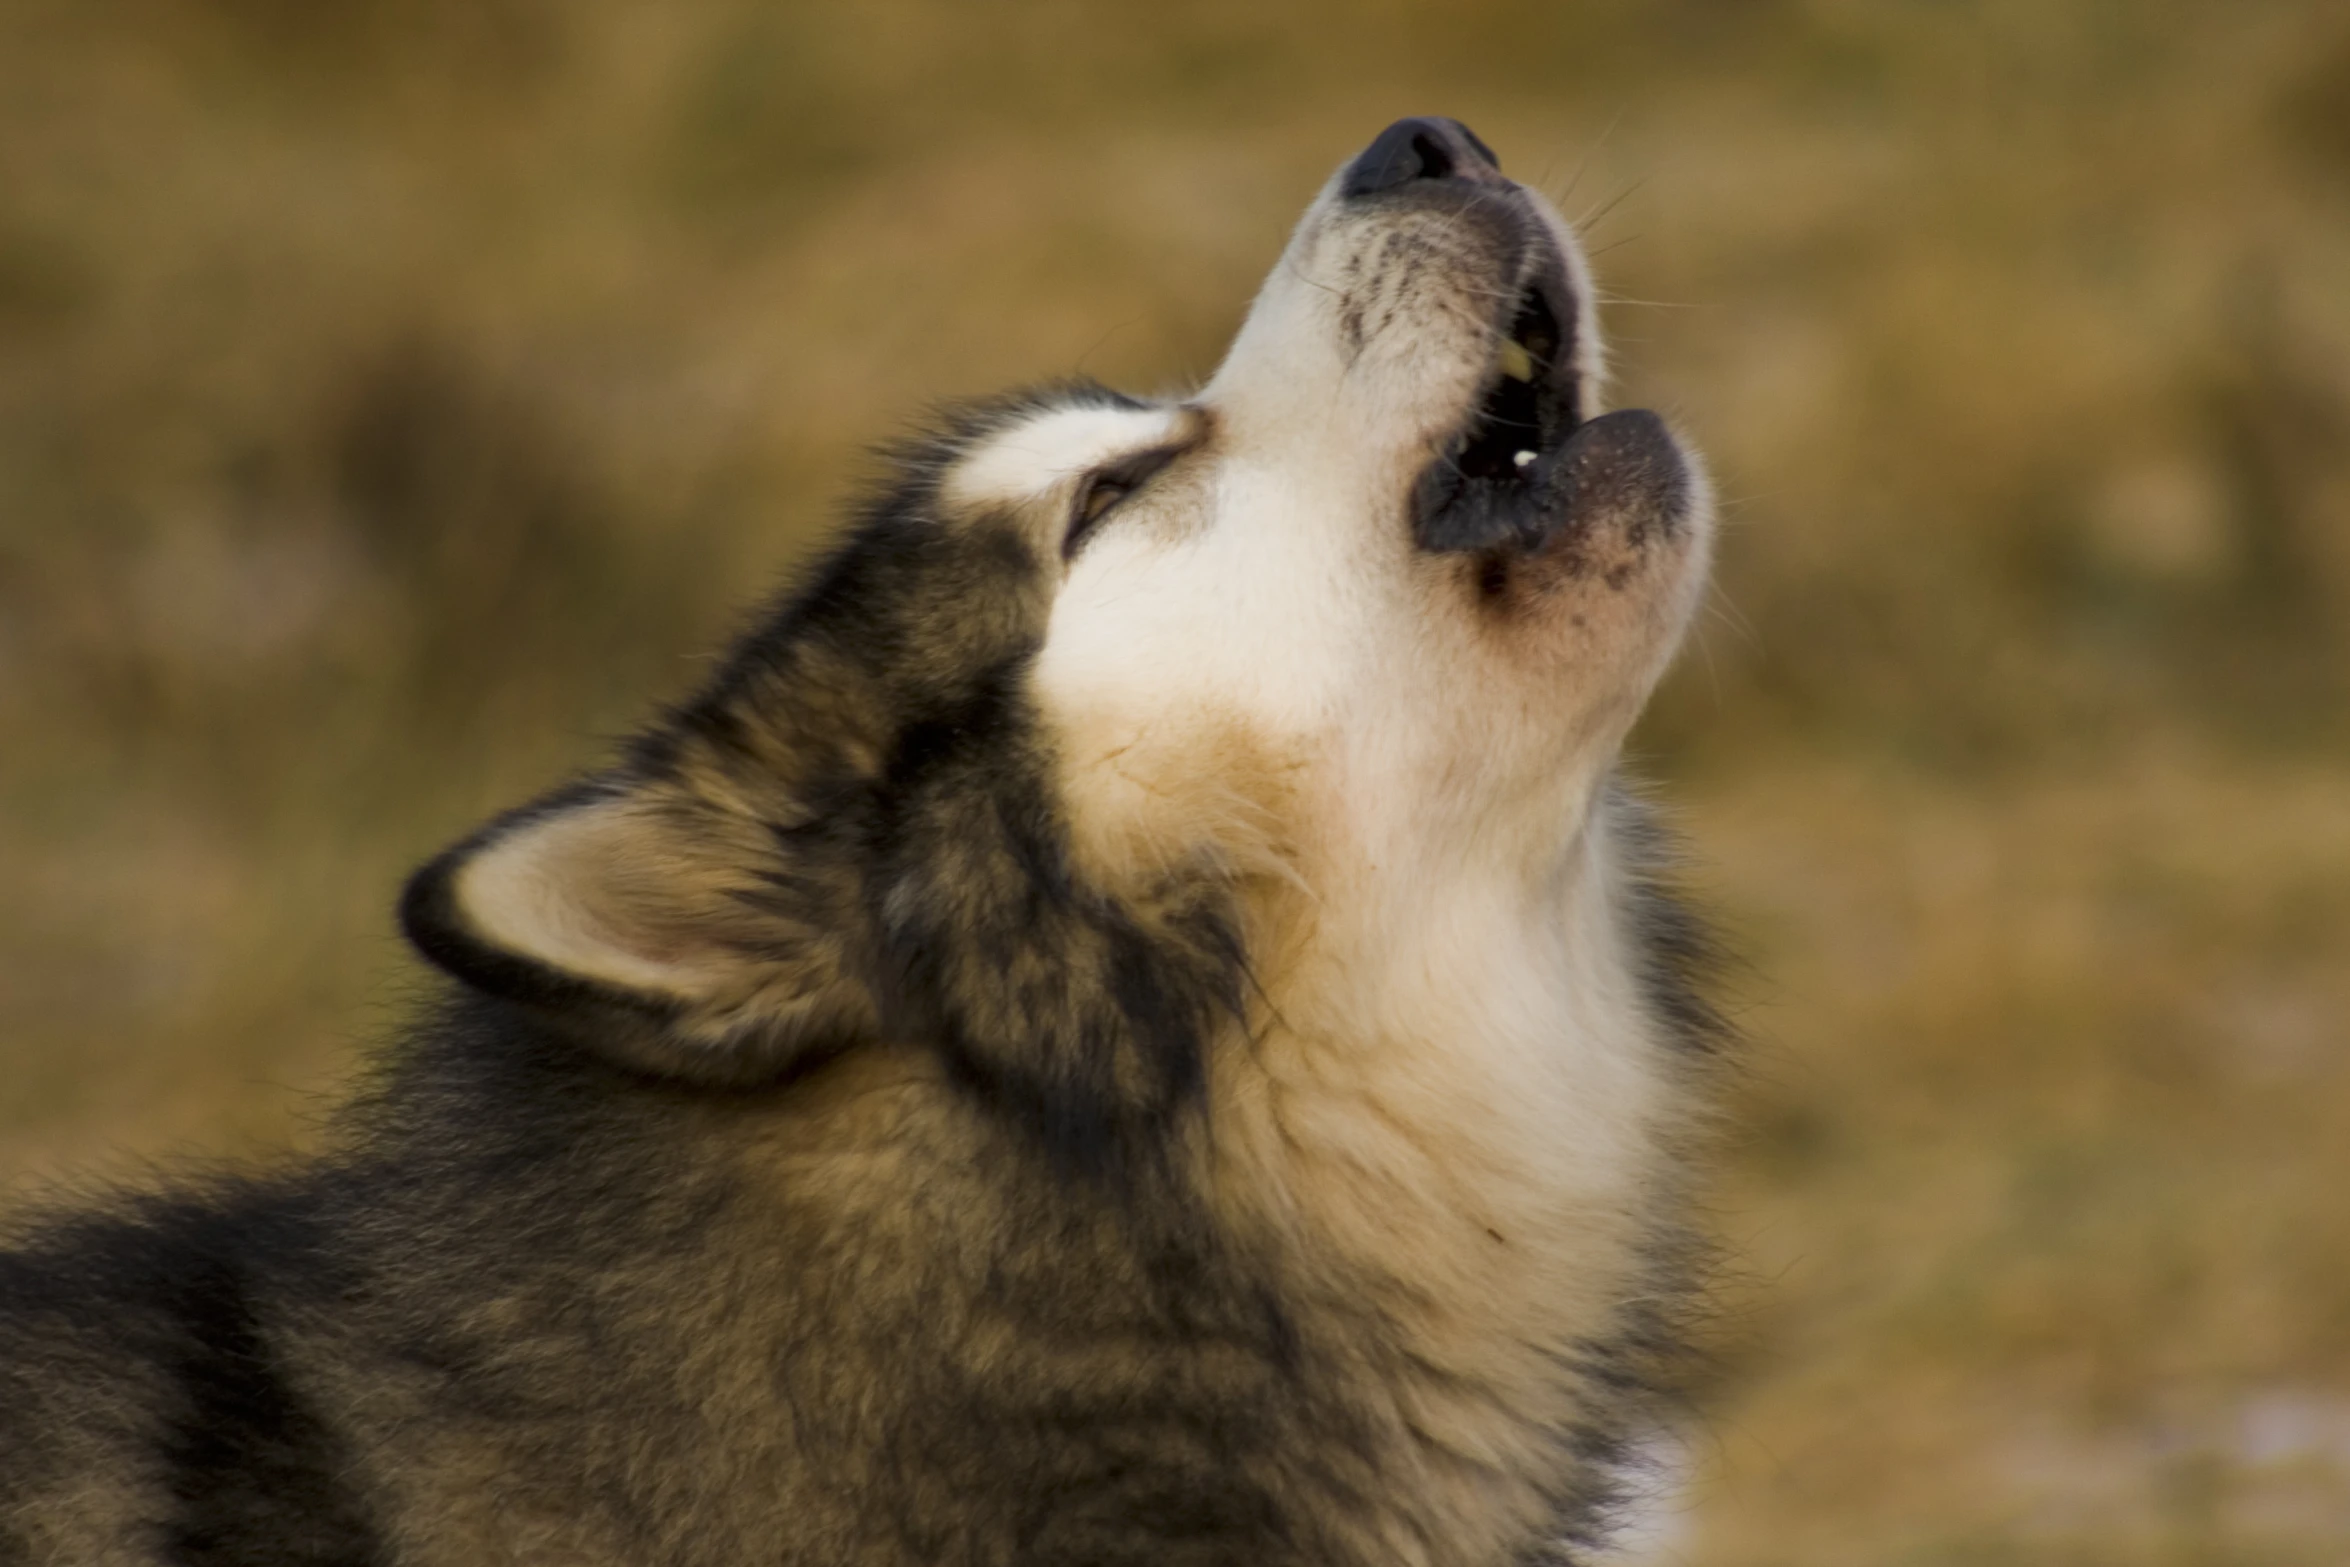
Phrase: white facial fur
pixel 1262 597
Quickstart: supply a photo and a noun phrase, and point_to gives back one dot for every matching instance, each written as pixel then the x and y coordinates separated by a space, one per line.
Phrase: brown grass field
pixel 396 398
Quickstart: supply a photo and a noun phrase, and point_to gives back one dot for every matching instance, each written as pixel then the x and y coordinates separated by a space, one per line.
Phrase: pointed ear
pixel 671 934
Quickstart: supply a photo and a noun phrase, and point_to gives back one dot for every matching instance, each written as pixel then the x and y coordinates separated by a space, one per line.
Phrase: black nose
pixel 1426 148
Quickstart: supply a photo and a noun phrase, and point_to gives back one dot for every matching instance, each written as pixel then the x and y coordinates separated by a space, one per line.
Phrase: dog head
pixel 1096 688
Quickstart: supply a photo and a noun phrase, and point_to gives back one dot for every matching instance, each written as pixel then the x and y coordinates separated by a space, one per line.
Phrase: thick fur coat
pixel 1131 1022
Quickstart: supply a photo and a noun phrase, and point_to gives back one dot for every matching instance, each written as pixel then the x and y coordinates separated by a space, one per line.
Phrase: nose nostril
pixel 1435 162
pixel 1419 149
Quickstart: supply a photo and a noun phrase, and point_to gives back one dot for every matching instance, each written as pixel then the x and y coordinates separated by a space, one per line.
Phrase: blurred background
pixel 396 398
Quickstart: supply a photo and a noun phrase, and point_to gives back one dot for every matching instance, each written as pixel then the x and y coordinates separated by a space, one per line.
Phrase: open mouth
pixel 1489 486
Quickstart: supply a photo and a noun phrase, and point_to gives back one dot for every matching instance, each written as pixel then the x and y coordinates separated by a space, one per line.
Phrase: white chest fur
pixel 1453 1126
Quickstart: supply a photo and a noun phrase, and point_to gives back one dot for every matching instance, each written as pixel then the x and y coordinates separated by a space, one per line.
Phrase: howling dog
pixel 1131 1021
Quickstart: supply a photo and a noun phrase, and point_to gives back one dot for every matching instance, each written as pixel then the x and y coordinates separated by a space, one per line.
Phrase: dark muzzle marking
pixel 1621 471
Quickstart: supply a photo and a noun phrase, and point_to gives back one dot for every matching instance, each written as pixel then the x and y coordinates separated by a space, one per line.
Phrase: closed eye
pixel 1107 486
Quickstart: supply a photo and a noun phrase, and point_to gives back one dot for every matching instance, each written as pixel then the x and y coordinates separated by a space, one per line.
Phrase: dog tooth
pixel 1523 459
pixel 1516 362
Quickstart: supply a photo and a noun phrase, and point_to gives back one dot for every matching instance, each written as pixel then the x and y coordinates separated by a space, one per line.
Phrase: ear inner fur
pixel 647 925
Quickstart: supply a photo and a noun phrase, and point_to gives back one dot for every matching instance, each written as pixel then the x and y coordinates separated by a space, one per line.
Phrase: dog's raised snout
pixel 1426 147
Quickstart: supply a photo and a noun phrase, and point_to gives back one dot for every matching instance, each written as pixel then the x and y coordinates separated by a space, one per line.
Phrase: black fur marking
pixel 1680 958
pixel 878 715
pixel 255 1473
pixel 254 1476
pixel 1050 1001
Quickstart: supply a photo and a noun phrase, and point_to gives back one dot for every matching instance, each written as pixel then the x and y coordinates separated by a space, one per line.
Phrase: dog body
pixel 1130 1022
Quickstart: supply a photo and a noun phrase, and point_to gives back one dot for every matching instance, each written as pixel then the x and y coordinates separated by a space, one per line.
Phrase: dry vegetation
pixel 391 396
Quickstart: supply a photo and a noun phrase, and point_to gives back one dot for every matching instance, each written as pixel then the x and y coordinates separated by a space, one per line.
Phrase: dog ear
pixel 670 933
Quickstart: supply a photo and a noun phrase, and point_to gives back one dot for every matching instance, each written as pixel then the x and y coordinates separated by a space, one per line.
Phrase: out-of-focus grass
pixel 395 399
pixel 2041 1171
